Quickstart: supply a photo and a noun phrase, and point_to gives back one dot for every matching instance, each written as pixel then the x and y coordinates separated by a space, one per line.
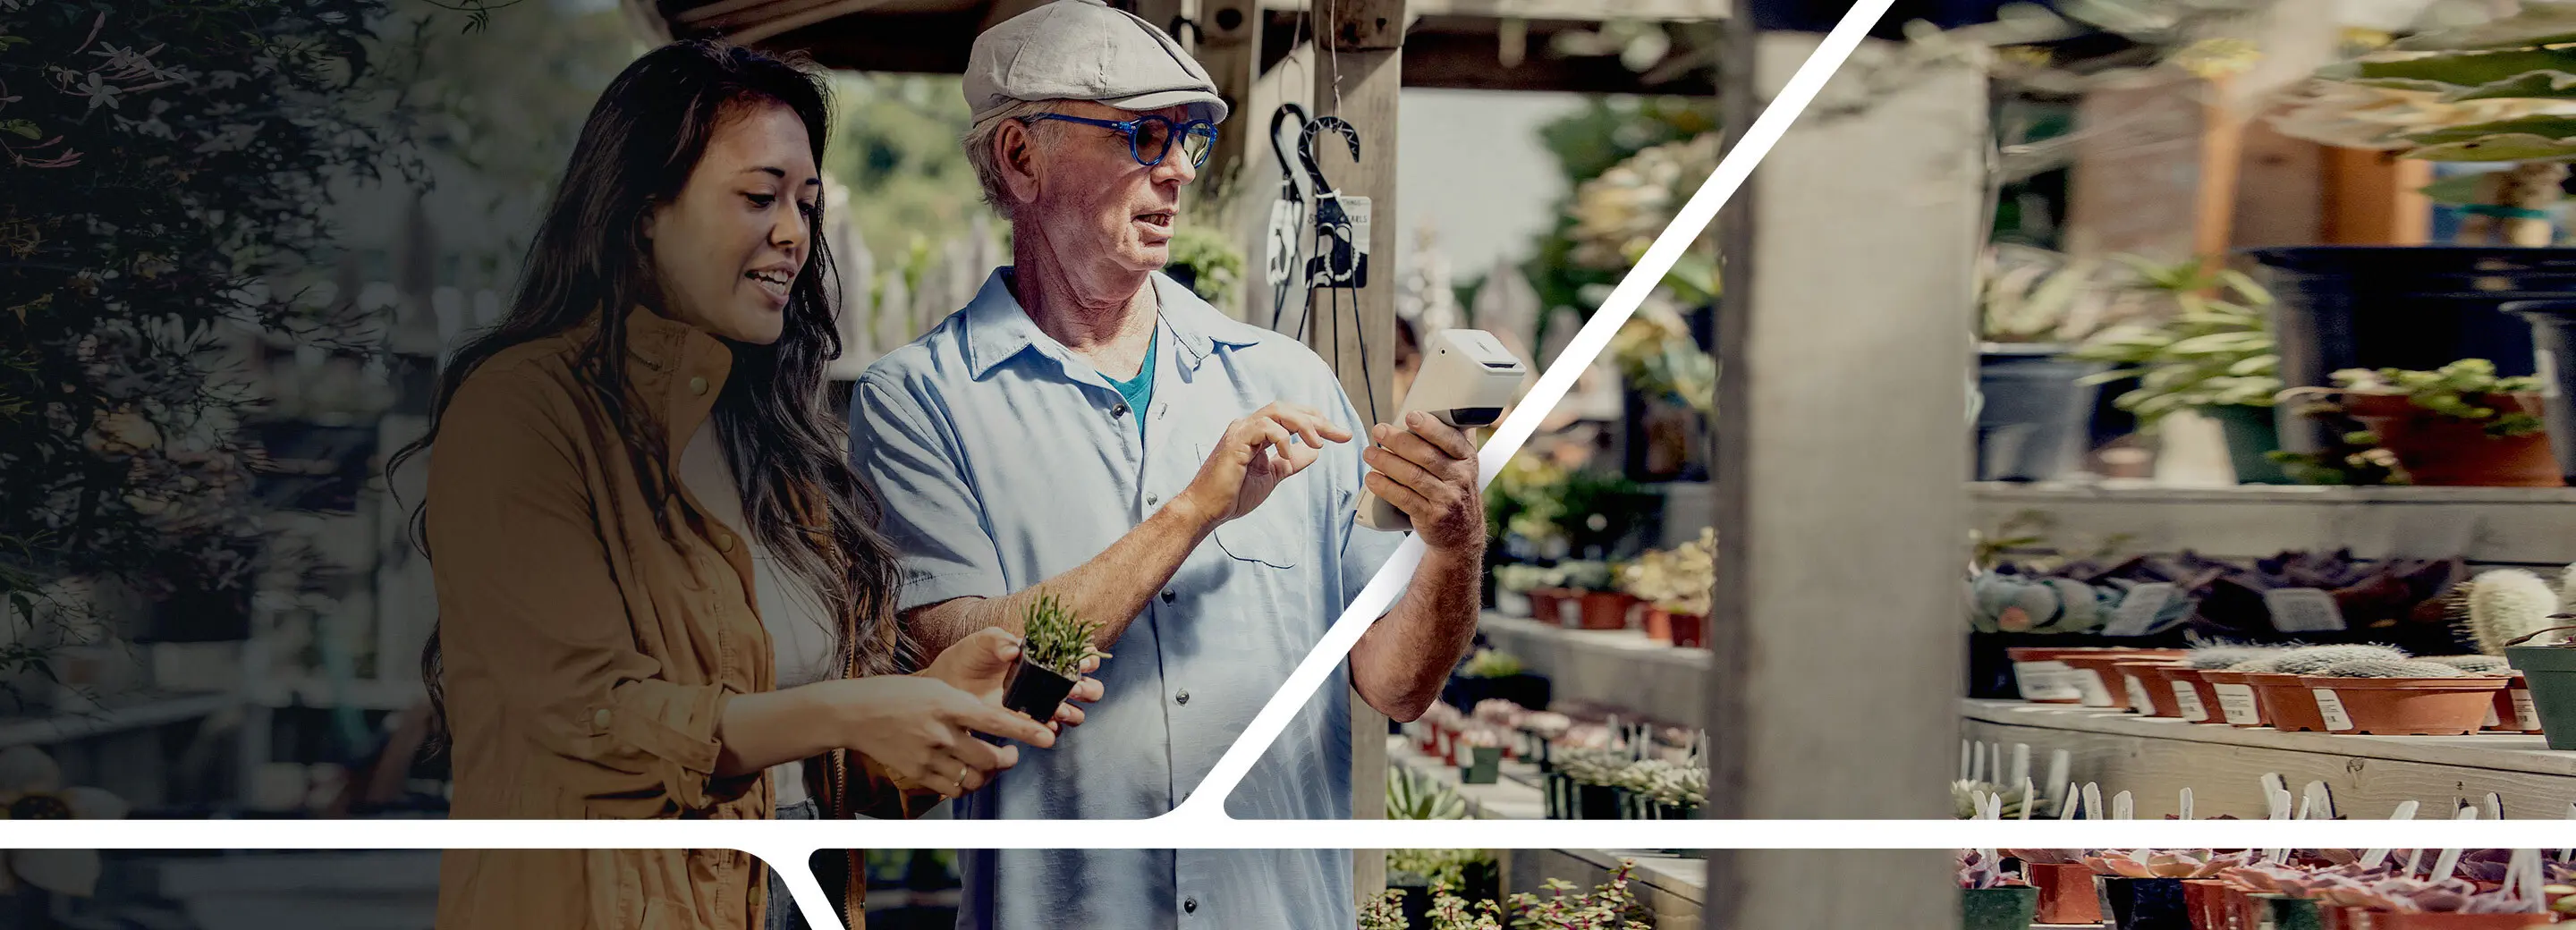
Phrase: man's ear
pixel 1015 150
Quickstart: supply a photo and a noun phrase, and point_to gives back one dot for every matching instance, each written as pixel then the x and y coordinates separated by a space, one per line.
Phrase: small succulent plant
pixel 1491 663
pixel 2390 668
pixel 1411 795
pixel 2474 665
pixel 1609 907
pixel 2506 604
pixel 2456 390
pixel 1053 638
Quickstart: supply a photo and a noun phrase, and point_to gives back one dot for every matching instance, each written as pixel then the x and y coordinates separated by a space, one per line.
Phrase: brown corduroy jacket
pixel 588 655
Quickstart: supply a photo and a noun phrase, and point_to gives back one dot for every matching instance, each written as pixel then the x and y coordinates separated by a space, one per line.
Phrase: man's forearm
pixel 1112 588
pixel 1400 664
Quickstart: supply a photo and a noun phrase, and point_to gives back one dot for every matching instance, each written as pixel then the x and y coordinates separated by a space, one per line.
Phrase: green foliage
pixel 1056 640
pixel 165 162
pixel 2507 59
pixel 1445 869
pixel 2211 347
pixel 1608 131
pixel 1209 261
pixel 1492 663
pixel 2467 389
pixel 896 144
pixel 1604 509
pixel 1609 907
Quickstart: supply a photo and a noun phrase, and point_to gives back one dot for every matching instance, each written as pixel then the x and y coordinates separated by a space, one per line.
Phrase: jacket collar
pixel 676 369
pixel 999 329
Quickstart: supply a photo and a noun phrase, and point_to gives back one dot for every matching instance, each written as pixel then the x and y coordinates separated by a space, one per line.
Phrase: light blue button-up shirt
pixel 1003 460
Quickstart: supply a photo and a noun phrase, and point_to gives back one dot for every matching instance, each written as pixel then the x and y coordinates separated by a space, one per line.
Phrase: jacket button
pixel 724 542
pixel 1183 697
pixel 1189 905
pixel 599 718
pixel 698 386
pixel 1170 595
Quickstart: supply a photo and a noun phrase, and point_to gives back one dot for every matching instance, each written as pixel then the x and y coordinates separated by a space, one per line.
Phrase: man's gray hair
pixel 979 149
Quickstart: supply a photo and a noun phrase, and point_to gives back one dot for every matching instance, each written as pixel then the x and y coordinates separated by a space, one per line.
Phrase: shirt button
pixel 1152 499
pixel 1190 905
pixel 1170 595
pixel 698 386
pixel 1118 411
pixel 600 718
pixel 1183 697
pixel 724 542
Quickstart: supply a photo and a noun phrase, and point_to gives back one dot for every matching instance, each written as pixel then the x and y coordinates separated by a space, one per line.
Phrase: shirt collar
pixel 998 328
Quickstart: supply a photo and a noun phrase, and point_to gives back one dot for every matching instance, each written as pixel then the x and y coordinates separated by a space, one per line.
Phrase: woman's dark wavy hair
pixel 590 260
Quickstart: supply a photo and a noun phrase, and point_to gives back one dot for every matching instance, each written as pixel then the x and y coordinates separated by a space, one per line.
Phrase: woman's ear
pixel 1015 150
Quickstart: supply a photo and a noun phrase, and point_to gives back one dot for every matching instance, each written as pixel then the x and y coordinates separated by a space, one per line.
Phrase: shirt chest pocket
pixel 1279 532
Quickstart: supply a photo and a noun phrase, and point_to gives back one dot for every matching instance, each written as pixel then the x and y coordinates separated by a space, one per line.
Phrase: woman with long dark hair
pixel 661 590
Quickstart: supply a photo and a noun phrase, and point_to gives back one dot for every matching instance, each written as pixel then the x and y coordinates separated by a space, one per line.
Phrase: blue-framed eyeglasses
pixel 1150 138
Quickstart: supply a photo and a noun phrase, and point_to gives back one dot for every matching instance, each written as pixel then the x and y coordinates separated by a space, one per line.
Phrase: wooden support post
pixel 2372 198
pixel 1229 47
pixel 1843 337
pixel 1358 70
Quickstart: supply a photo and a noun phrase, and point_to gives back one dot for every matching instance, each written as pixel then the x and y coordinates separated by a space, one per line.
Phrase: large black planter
pixel 1525 689
pixel 2034 420
pixel 2412 307
pixel 2553 338
pixel 2143 903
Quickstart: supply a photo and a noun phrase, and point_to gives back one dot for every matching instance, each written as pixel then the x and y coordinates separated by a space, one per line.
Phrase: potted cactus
pixel 2286 702
pixel 2403 697
pixel 2459 425
pixel 1054 645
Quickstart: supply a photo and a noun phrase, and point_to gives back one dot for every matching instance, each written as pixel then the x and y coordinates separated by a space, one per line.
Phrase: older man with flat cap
pixel 1084 426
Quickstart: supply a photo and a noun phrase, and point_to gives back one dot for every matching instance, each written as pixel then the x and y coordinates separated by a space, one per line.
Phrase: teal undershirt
pixel 1141 388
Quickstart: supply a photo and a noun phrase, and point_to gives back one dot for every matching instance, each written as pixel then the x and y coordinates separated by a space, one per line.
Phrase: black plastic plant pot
pixel 1416 902
pixel 2033 418
pixel 1484 765
pixel 2551 670
pixel 1552 788
pixel 1596 802
pixel 2142 903
pixel 2413 307
pixel 2553 337
pixel 2288 913
pixel 2011 908
pixel 1036 691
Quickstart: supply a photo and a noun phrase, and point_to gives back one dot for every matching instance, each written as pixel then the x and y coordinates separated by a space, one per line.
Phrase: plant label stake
pixel 1341 221
pixel 2028 800
pixel 2124 807
pixel 2495 806
pixel 2092 801
pixel 2059 760
pixel 2069 804
pixel 2186 802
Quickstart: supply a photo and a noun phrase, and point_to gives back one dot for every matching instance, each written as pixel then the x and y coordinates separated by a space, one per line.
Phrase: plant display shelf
pixel 1608 668
pixel 1670 887
pixel 1514 795
pixel 2489 526
pixel 2155 758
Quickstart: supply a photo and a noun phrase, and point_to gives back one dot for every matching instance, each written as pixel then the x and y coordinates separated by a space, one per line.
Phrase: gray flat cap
pixel 1085 50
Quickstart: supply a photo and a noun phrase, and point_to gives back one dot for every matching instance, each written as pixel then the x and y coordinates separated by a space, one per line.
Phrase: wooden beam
pixel 1835 554
pixel 1229 47
pixel 2371 198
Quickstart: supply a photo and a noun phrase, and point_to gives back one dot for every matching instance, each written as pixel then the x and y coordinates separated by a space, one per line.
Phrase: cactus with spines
pixel 2263 666
pixel 2474 665
pixel 2507 604
pixel 2214 658
pixel 2311 660
pixel 2389 668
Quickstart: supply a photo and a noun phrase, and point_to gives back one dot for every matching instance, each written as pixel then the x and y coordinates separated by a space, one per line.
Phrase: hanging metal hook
pixel 1306 151
pixel 1342 261
pixel 1278 118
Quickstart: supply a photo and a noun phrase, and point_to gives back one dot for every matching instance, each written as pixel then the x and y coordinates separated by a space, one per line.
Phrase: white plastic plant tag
pixel 2029 800
pixel 1357 208
pixel 2323 798
pixel 2071 804
pixel 2185 808
pixel 2331 708
pixel 2089 688
pixel 2138 700
pixel 2092 800
pixel 1285 222
pixel 2237 702
pixel 2188 698
pixel 2059 760
pixel 2020 770
pixel 2495 806
pixel 1967 755
pixel 2047 681
pixel 2303 610
pixel 2124 807
pixel 2136 615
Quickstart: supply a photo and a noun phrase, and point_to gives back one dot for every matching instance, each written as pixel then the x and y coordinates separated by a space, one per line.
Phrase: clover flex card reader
pixel 1466 380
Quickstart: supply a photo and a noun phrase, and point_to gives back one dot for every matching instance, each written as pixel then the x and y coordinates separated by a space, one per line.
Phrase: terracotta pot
pixel 2236 704
pixel 1605 610
pixel 2514 712
pixel 2439 450
pixel 1659 624
pixel 2243 909
pixel 1547 605
pixel 2407 706
pixel 2149 679
pixel 1690 631
pixel 2406 920
pixel 2042 676
pixel 2337 917
pixel 2287 704
pixel 2066 894
pixel 2098 678
pixel 2198 698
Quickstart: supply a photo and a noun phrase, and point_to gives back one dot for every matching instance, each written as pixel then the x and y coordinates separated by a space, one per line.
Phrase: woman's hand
pixel 981 665
pixel 923 730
